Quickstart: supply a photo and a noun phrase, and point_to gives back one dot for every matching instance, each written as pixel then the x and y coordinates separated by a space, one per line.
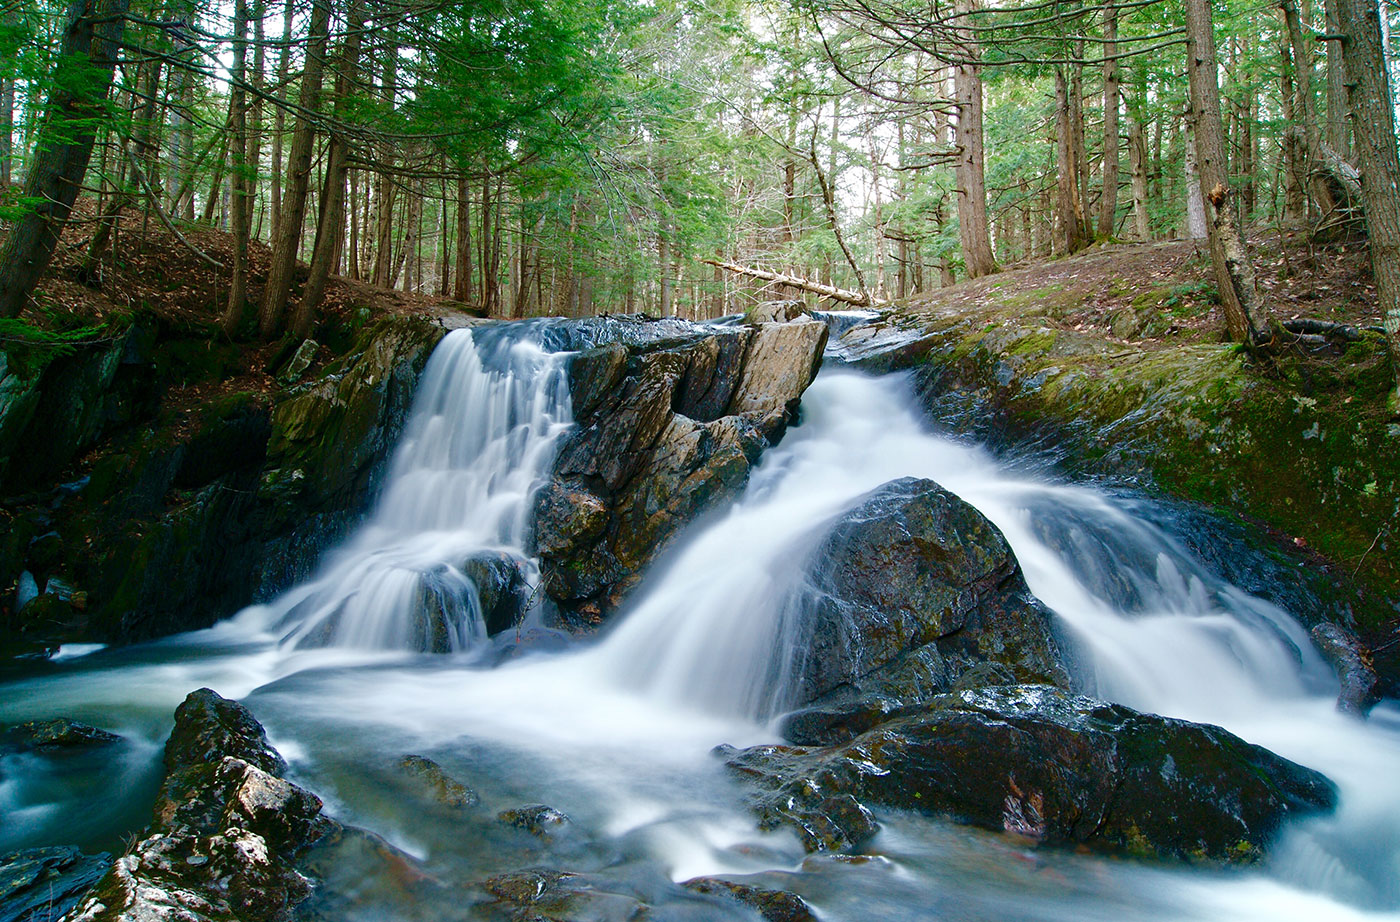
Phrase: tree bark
pixel 81 79
pixel 1108 207
pixel 332 217
pixel 1068 214
pixel 288 233
pixel 973 230
pixel 1306 108
pixel 238 122
pixel 1373 110
pixel 1246 316
pixel 1137 166
pixel 1338 109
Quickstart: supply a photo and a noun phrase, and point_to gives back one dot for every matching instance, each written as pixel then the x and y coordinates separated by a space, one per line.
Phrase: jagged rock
pixel 537 819
pixel 1360 684
pixel 59 733
pixel 1042 763
pixel 772 905
pixel 226 833
pixel 437 786
pixel 915 591
pixel 42 884
pixel 776 311
pixel 781 361
pixel 666 430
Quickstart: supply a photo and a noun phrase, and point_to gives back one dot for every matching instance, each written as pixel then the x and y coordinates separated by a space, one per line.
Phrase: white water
pixel 480 437
pixel 617 734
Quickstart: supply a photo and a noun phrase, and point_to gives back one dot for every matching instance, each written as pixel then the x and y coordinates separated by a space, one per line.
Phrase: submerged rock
pixel 49 735
pixel 1051 766
pixel 667 429
pixel 772 905
pixel 42 884
pixel 536 819
pixel 916 592
pixel 436 785
pixel 226 833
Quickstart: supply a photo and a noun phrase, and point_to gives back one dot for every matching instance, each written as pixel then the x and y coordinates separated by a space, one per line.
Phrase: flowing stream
pixel 617 733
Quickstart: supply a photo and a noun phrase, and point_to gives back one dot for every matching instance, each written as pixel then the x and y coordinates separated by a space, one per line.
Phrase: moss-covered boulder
pixel 1038 762
pixel 1301 441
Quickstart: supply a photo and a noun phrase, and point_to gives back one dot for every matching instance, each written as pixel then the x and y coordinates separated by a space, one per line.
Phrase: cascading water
pixel 617 733
pixel 479 438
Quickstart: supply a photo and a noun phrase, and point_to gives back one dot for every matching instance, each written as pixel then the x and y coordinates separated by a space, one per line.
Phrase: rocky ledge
pixel 666 430
pixel 1039 762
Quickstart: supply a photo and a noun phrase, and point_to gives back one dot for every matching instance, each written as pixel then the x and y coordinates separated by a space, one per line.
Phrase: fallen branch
pixel 845 296
pixel 160 212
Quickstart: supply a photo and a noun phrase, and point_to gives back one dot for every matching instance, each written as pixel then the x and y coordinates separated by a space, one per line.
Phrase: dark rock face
pixel 43 884
pixel 917 592
pixel 773 905
pixel 227 829
pixel 1039 762
pixel 178 524
pixel 666 430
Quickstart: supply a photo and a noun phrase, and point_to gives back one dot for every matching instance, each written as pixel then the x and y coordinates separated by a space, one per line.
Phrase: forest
pixel 688 159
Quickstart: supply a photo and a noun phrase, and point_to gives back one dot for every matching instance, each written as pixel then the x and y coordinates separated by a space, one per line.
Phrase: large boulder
pixel 227 829
pixel 1039 762
pixel 667 429
pixel 915 591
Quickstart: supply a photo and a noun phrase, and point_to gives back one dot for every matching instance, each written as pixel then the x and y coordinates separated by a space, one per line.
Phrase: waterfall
pixel 479 439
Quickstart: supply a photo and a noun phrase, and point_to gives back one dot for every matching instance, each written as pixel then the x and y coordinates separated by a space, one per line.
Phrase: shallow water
pixel 617 732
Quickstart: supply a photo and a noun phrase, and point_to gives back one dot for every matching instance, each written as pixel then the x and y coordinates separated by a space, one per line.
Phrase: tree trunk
pixel 1245 313
pixel 1068 214
pixel 81 78
pixel 287 238
pixel 238 124
pixel 1137 166
pixel 1196 228
pixel 332 218
pixel 462 285
pixel 1306 108
pixel 279 119
pixel 973 230
pixel 1363 53
pixel 1108 207
pixel 1338 109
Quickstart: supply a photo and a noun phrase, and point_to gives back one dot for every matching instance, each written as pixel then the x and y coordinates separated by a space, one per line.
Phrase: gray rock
pixel 42 884
pixel 1360 685
pixel 436 785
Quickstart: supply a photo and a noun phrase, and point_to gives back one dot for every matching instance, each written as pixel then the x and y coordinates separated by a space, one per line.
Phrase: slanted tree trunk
pixel 1246 316
pixel 1108 206
pixel 81 79
pixel 332 217
pixel 1373 109
pixel 287 239
pixel 973 227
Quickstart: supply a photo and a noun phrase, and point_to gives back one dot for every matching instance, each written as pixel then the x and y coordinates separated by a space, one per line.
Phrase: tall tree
pixel 287 238
pixel 1373 110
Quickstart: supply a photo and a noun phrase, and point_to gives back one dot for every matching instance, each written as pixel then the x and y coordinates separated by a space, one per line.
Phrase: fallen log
pixel 844 295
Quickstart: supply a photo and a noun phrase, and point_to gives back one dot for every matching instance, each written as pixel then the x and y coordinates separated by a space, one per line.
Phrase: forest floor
pixel 1159 295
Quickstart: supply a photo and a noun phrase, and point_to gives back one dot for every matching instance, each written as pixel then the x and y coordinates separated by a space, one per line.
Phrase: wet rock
pixel 915 591
pixel 1360 685
pixel 536 819
pixel 56 734
pixel 226 833
pixel 776 311
pixel 43 884
pixel 436 784
pixel 1044 764
pixel 501 588
pixel 667 429
pixel 544 895
pixel 772 905
pixel 300 361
